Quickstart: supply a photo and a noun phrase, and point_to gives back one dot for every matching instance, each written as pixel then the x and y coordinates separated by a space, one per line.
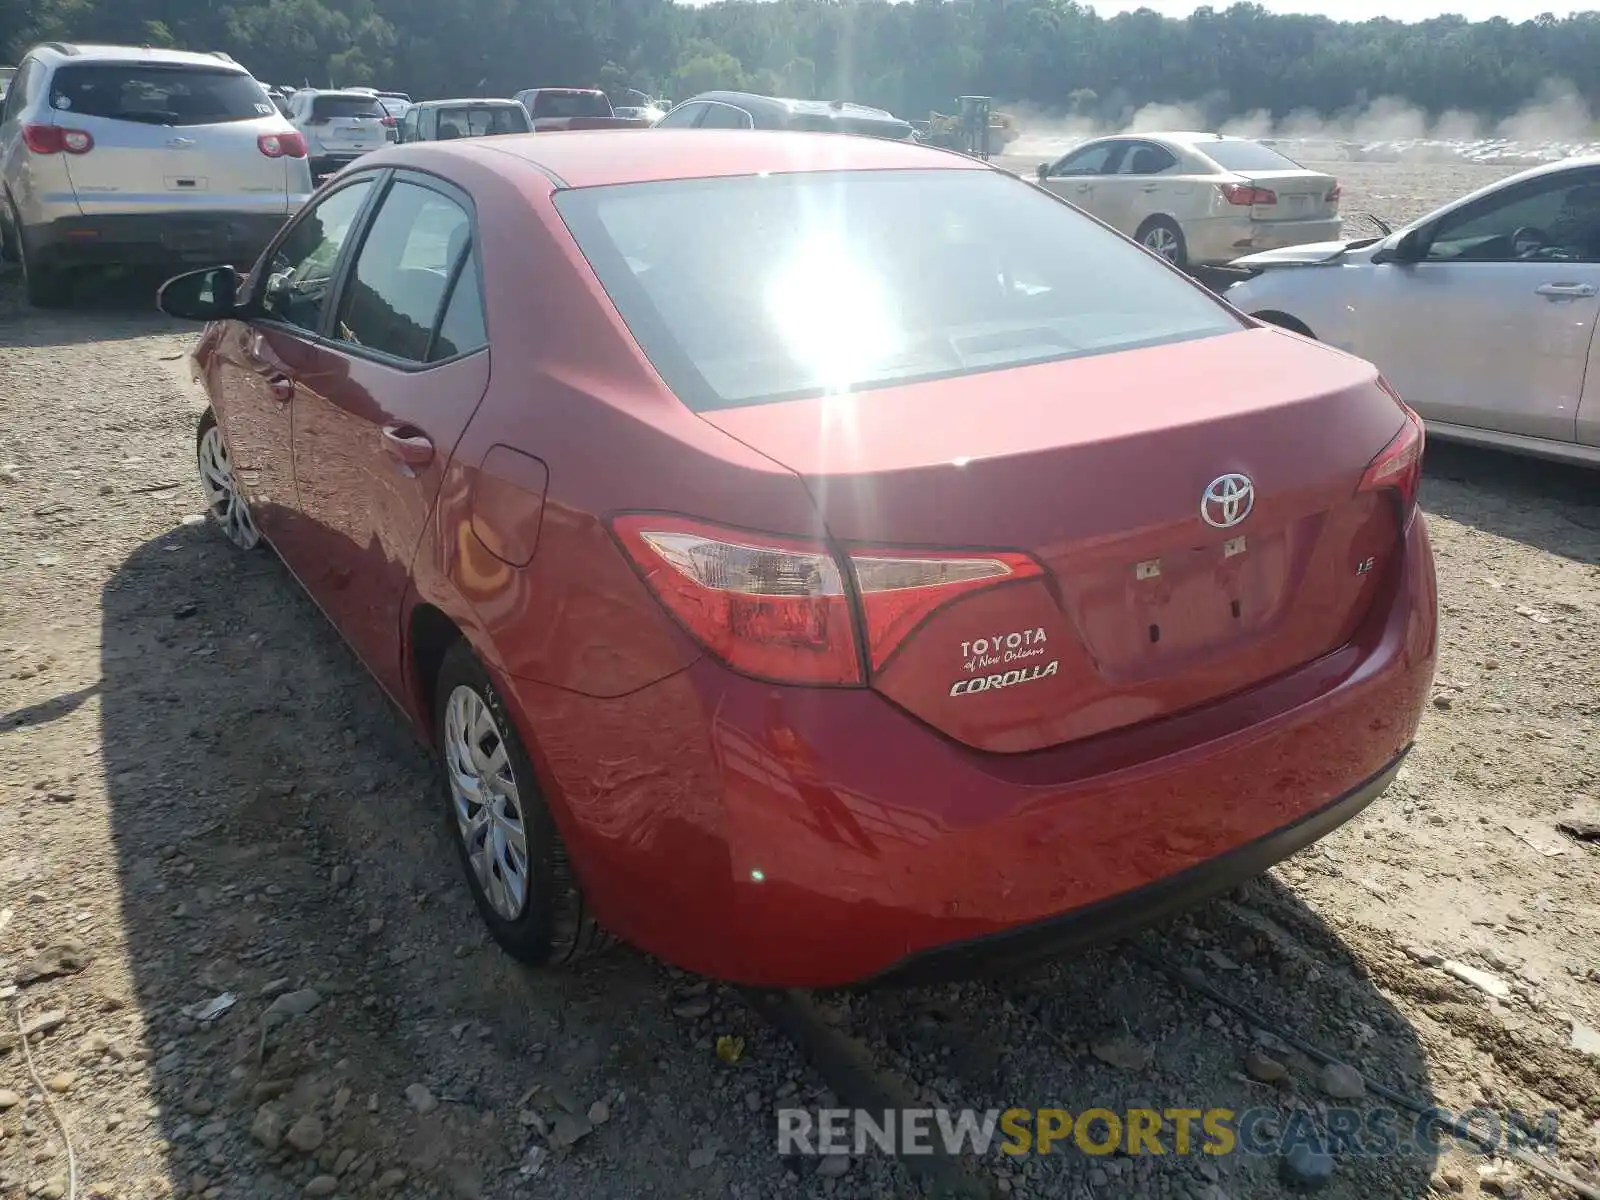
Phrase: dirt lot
pixel 202 794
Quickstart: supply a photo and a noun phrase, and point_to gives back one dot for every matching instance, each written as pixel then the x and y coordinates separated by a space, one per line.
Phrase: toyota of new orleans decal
pixel 1001 650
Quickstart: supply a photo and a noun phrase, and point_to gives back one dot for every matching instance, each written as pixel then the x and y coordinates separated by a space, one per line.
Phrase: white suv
pixel 130 156
pixel 340 126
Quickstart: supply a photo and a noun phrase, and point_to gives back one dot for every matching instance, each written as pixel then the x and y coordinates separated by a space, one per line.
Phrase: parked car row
pixel 137 156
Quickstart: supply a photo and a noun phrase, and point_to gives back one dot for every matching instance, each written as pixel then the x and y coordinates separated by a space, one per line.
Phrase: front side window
pixel 397 289
pixel 745 290
pixel 1554 218
pixel 1147 159
pixel 682 117
pixel 158 95
pixel 300 273
pixel 725 116
pixel 1101 159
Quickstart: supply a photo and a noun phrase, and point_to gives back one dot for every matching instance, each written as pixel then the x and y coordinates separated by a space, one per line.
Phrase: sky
pixel 1351 10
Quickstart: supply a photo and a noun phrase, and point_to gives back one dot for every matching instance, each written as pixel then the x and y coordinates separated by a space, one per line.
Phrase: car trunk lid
pixel 1296 195
pixel 169 136
pixel 344 124
pixel 1097 468
pixel 136 167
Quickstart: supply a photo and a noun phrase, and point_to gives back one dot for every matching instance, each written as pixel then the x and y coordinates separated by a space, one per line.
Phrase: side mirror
pixel 206 295
pixel 1400 248
pixel 1043 172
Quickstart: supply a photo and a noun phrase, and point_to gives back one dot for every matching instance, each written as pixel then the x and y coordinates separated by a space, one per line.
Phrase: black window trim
pixel 700 105
pixel 749 117
pixel 256 280
pixel 1116 150
pixel 1512 194
pixel 1137 144
pixel 443 187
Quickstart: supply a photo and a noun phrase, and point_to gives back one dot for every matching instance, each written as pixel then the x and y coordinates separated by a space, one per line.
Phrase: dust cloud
pixel 1556 124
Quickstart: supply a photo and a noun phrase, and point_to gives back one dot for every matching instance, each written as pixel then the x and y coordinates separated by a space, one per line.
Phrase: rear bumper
pixel 1220 240
pixel 792 837
pixel 330 162
pixel 154 239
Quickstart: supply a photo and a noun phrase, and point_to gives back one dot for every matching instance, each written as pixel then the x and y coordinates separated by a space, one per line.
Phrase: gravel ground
pixel 202 795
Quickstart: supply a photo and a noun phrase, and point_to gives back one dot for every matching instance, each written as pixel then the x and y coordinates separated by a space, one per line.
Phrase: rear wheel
pixel 8 233
pixel 1162 235
pixel 45 287
pixel 515 862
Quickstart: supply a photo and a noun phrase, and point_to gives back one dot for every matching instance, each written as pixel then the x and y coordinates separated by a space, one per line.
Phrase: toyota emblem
pixel 1227 501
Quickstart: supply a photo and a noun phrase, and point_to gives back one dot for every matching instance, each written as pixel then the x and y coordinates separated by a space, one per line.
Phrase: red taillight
pixel 282 145
pixel 387 122
pixel 1245 194
pixel 56 139
pixel 1334 193
pixel 768 606
pixel 1398 466
pixel 778 607
pixel 899 590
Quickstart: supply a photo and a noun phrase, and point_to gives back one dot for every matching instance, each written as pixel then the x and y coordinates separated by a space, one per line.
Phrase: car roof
pixel 464 100
pixel 595 158
pixel 783 106
pixel 99 52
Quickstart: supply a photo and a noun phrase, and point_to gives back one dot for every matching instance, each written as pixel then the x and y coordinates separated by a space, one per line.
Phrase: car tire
pixel 1162 236
pixel 45 287
pixel 537 914
pixel 225 504
pixel 8 234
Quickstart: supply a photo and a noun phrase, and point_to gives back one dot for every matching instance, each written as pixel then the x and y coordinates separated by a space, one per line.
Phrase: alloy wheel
pixel 1163 241
pixel 227 505
pixel 486 802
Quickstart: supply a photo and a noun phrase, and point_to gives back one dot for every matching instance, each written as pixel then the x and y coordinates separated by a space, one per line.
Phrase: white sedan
pixel 1482 315
pixel 1197 198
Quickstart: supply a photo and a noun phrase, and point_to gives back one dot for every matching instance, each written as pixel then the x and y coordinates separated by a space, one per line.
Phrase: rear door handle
pixel 1151 187
pixel 1565 290
pixel 408 445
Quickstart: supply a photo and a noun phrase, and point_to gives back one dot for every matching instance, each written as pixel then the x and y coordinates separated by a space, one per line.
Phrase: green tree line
pixel 1056 55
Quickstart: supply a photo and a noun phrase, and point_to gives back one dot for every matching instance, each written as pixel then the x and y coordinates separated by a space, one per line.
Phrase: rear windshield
pixel 480 121
pixel 324 107
pixel 571 104
pixel 159 95
pixel 746 290
pixel 1246 156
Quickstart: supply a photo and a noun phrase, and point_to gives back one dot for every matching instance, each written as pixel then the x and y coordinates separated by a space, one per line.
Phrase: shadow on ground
pixel 106 306
pixel 276 830
pixel 1553 506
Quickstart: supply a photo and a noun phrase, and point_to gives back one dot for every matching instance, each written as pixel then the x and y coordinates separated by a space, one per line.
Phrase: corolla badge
pixel 1227 501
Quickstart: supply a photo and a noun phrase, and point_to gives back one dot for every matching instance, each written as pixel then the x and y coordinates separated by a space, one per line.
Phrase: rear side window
pixel 571 104
pixel 397 290
pixel 462 330
pixel 1246 156
pixel 325 108
pixel 158 95
pixel 745 290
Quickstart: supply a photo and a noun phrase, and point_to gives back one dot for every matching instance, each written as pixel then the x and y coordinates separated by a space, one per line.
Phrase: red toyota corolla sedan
pixel 818 559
